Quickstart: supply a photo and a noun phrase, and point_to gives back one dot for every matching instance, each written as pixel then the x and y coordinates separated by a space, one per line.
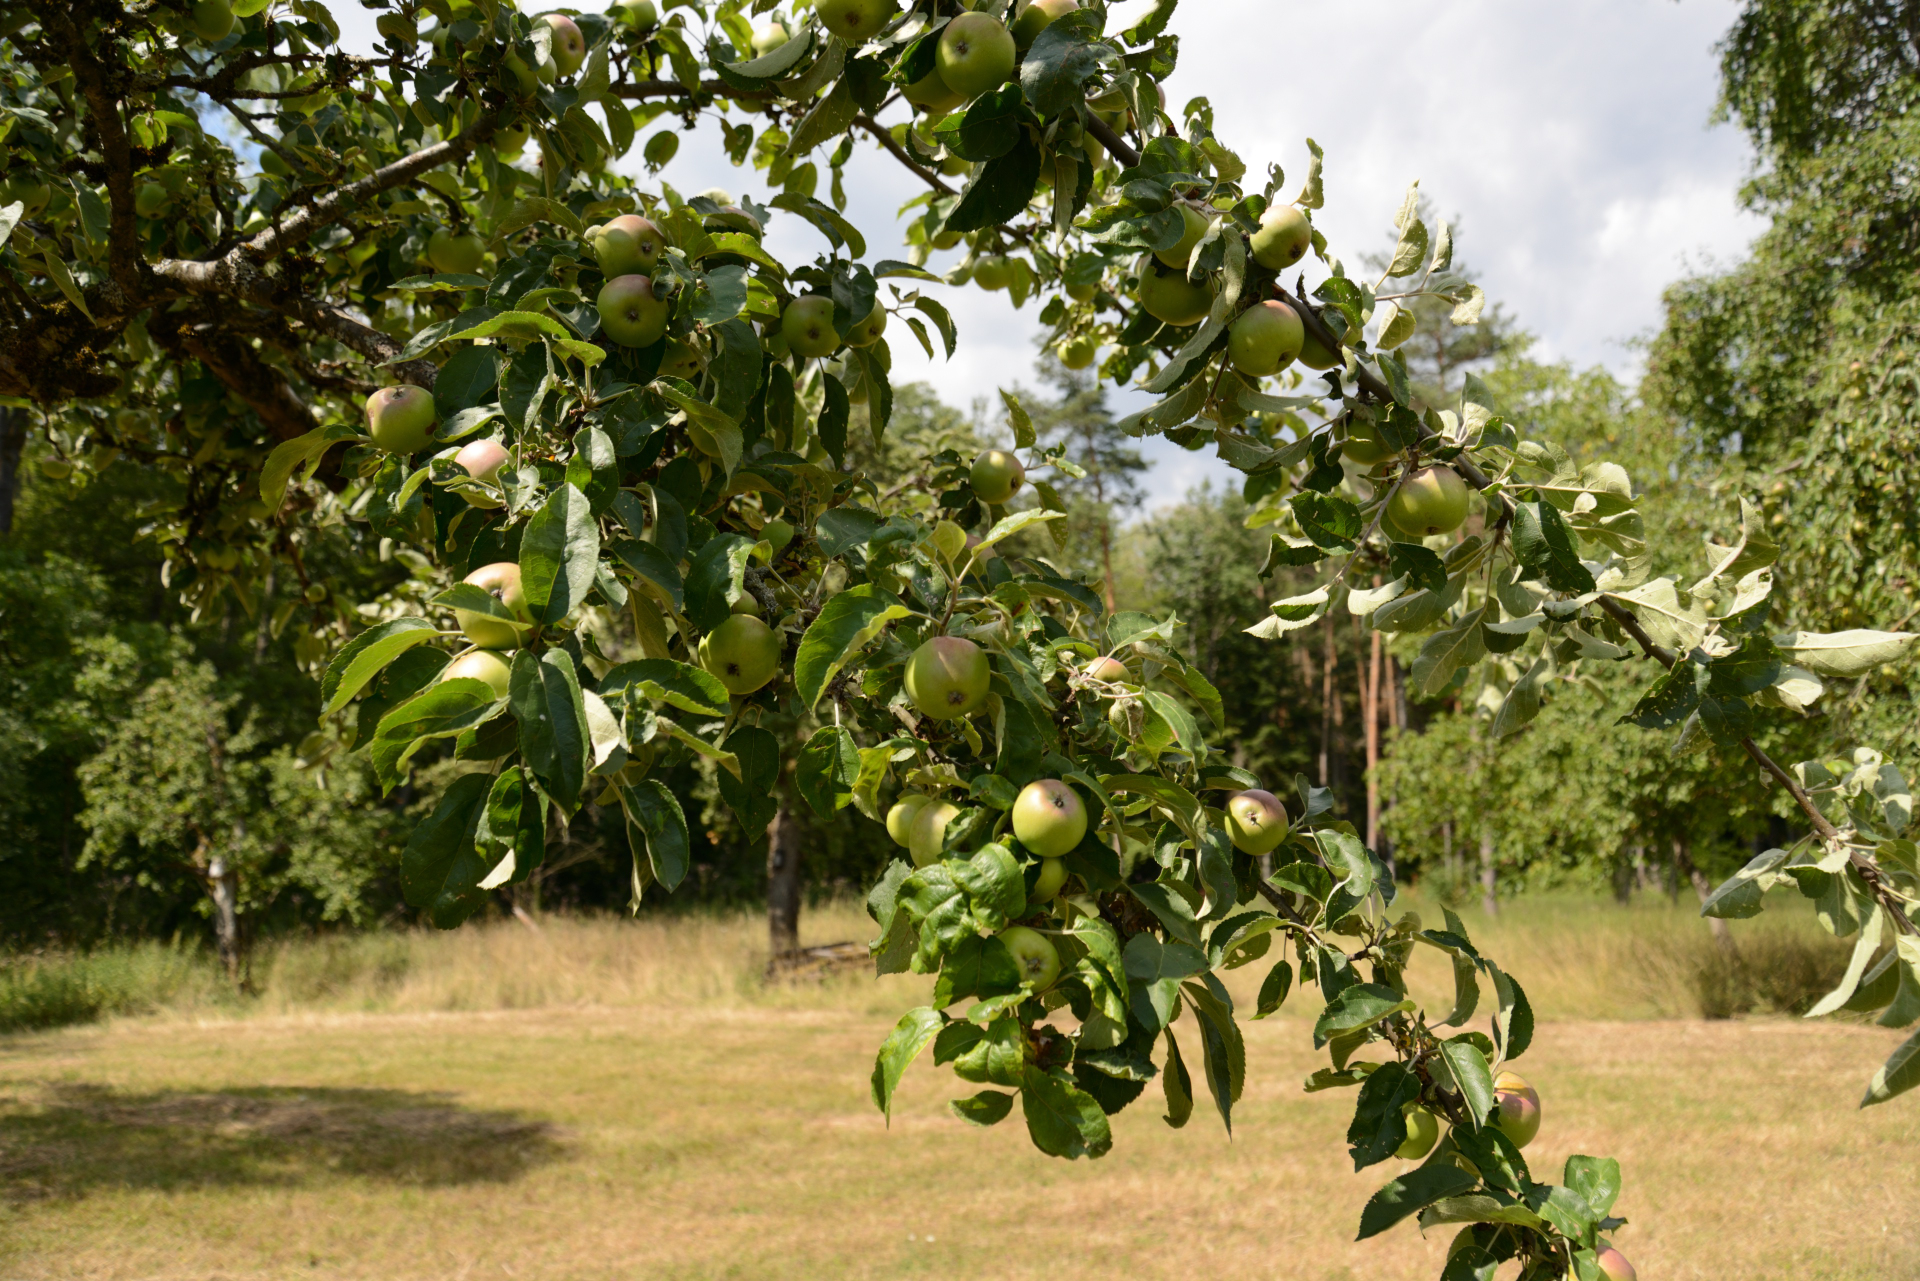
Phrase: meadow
pixel 606 1098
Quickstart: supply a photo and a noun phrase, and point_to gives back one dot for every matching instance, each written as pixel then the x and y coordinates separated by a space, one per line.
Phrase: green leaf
pixel 544 694
pixel 1900 1073
pixel 1177 1084
pixel 1008 526
pixel 1471 1074
pixel 1171 910
pixel 440 868
pixel 526 325
pixel 1358 1007
pixel 1843 654
pixel 1062 1119
pixel 1223 1053
pixel 1477 1209
pixel 1670 699
pixel 1596 1179
pixel 715 579
pixel 999 191
pixel 656 823
pixel 366 656
pixel 751 796
pixel 440 711
pixel 828 767
pixel 1331 522
pixel 558 555
pixel 1379 1122
pixel 989 1107
pixel 652 564
pixel 1446 652
pixel 291 455
pixel 513 829
pixel 1273 990
pixel 845 625
pixel 665 680
pixel 1545 547
pixel 903 1045
pixel 1412 1192
pixel 1066 54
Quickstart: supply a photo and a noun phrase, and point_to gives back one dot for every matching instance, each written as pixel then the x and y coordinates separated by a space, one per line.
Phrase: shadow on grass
pixel 73 1139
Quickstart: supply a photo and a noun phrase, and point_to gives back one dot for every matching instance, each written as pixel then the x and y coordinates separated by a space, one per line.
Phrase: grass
pixel 616 1099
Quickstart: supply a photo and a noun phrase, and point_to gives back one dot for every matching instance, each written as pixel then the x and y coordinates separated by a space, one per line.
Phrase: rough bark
pixel 783 882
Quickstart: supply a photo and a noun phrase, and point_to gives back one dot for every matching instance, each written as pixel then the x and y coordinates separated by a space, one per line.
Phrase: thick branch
pixel 880 132
pixel 1119 148
pixel 674 89
pixel 103 104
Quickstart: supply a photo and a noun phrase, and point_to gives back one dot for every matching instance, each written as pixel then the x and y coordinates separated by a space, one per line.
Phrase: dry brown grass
pixel 608 1099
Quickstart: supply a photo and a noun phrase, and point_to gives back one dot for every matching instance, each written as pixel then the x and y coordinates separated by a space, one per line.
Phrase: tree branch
pixel 885 138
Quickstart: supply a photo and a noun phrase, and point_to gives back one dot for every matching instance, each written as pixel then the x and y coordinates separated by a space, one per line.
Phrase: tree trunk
pixel 1370 719
pixel 783 882
pixel 1683 866
pixel 13 438
pixel 1329 708
pixel 1488 899
pixel 223 883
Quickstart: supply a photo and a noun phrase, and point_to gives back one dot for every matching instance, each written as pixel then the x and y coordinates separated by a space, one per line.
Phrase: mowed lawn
pixel 733 1137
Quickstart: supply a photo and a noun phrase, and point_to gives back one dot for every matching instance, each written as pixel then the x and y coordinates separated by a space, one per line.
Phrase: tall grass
pixel 1577 957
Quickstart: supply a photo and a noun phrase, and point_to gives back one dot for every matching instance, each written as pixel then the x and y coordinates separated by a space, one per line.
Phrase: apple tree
pixel 408 302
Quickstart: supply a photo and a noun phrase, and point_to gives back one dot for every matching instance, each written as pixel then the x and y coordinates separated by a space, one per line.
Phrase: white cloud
pixel 1570 140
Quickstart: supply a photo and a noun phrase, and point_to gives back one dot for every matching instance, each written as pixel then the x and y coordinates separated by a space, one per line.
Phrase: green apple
pixel 1193 231
pixel 768 38
pixel 996 476
pixel 1053 874
pixel 1082 293
pixel 777 532
pixel 636 15
pixel 508 143
pixel 625 245
pixel 568 46
pixel 1516 1108
pixel 455 253
pixel 947 677
pixel 630 314
pixel 928 834
pixel 855 21
pixel 1614 1266
pixel 1049 817
pixel 1078 351
pixel 1035 16
pixel 933 93
pixel 400 419
pixel 807 325
pixel 682 360
pixel 1363 443
pixel 1265 338
pixel 868 331
pixel 1431 501
pixel 900 817
pixel 481 459
pixel 1037 959
pixel 487 665
pixel 23 187
pixel 500 580
pixel 525 79
pixel 1314 356
pixel 1282 239
pixel 976 54
pixel 743 652
pixel 992 271
pixel 1423 1131
pixel 1256 820
pixel 747 604
pixel 212 20
pixel 1168 298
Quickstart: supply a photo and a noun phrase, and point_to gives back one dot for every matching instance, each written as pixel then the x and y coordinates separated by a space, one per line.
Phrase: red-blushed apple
pixel 807 325
pixel 1167 296
pixel 500 580
pixel 481 459
pixel 1257 821
pixel 1193 228
pixel 1423 1131
pixel 1265 338
pixel 455 253
pixel 625 245
pixel 481 665
pixel 1614 1266
pixel 1053 874
pixel 976 54
pixel 855 21
pixel 1282 238
pixel 1106 668
pixel 996 476
pixel 630 314
pixel 1036 16
pixel 868 331
pixel 1431 501
pixel 569 46
pixel 927 835
pixel 947 677
pixel 1034 955
pixel 900 817
pixel 400 419
pixel 1516 1108
pixel 1049 817
pixel 743 652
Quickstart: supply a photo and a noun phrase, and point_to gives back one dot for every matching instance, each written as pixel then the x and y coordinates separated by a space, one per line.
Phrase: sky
pixel 1569 143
